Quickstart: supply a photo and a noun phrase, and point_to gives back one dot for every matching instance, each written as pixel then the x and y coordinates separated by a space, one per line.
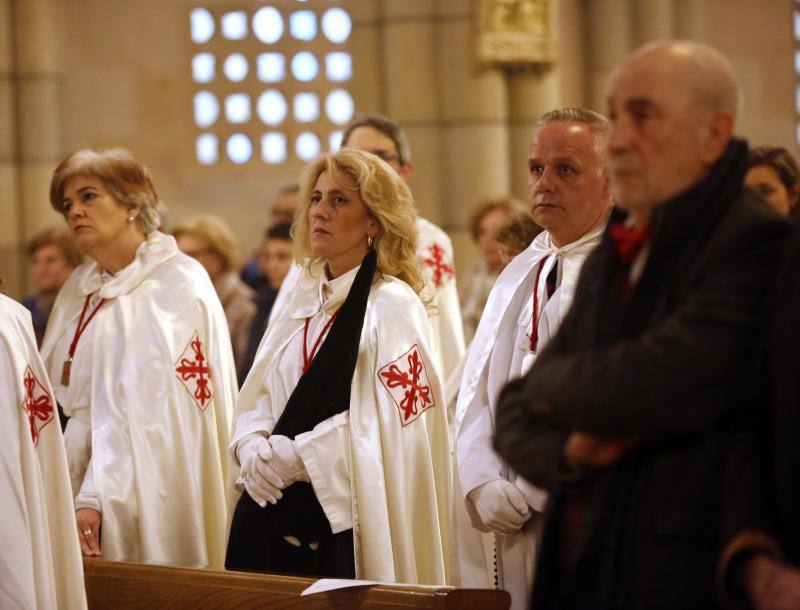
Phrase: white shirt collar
pixel 332 292
pixel 314 292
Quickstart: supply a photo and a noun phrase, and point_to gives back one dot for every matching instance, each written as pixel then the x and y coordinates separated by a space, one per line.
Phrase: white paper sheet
pixel 331 584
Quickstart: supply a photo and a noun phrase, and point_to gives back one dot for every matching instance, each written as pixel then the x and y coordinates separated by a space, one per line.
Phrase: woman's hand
pixel 89 521
pixel 259 478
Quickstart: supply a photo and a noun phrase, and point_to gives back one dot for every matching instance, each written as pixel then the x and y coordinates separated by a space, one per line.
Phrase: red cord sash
pixel 306 357
pixel 535 314
pixel 67 368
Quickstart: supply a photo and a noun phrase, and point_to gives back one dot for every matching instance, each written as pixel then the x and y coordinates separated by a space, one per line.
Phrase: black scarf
pixel 258 538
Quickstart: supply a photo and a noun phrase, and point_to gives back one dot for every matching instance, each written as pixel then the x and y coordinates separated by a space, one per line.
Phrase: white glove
pixel 500 506
pixel 536 497
pixel 259 478
pixel 287 461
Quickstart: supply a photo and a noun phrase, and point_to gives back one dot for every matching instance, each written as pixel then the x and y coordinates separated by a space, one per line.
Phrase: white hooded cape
pixel 494 342
pixel 380 468
pixel 163 386
pixel 40 560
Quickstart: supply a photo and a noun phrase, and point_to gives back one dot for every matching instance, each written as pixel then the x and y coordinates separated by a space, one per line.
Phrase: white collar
pixel 314 292
pixel 152 253
pixel 544 242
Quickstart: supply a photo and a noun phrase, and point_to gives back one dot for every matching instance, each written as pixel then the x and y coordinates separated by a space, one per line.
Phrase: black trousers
pixel 291 537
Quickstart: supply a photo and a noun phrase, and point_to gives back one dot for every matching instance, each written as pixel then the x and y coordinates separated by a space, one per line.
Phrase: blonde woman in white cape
pixel 341 430
pixel 139 354
pixel 40 561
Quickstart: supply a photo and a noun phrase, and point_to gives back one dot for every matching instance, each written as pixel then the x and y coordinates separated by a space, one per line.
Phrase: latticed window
pixel 271 79
pixel 797 66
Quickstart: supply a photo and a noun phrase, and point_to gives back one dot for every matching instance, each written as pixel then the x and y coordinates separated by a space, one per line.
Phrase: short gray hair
pixel 598 125
pixel 127 179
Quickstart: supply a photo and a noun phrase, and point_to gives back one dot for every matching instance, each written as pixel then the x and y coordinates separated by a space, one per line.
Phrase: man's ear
pixel 717 132
pixel 606 175
pixel 406 170
pixel 794 196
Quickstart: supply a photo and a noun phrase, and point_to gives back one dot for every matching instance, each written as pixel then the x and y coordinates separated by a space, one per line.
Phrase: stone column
pixel 530 94
pixel 365 48
pixel 410 90
pixel 38 115
pixel 536 91
pixel 32 98
pixel 610 38
pixel 11 260
pixel 690 19
pixel 653 20
pixel 571 32
pixel 474 119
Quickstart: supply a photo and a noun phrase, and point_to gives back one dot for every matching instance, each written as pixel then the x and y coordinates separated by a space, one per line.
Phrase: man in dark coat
pixel 639 416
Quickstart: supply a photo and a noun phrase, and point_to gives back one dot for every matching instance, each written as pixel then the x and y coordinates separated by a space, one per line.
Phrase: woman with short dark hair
pixel 139 355
pixel 774 174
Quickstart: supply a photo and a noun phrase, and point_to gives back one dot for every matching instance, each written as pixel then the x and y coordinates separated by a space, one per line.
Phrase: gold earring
pixel 369 241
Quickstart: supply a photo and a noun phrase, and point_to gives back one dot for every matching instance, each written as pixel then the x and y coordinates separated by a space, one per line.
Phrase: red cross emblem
pixel 193 372
pixel 37 403
pixel 406 379
pixel 440 270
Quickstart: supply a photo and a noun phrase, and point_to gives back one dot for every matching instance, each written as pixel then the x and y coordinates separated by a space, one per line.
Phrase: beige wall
pixel 759 39
pixel 120 77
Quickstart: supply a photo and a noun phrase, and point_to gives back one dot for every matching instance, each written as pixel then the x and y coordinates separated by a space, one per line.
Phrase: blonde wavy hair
pixel 388 201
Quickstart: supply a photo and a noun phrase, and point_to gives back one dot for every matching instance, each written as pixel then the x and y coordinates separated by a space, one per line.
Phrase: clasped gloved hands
pixel 501 507
pixel 268 466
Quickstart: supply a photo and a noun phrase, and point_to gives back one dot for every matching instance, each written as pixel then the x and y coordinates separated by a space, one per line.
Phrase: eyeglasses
pixel 385 155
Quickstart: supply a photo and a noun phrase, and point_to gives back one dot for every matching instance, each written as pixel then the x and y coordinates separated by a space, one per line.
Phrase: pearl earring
pixel 130 218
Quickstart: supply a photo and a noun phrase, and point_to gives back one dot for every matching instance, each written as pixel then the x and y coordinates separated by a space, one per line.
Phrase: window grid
pixel 271 80
pixel 796 29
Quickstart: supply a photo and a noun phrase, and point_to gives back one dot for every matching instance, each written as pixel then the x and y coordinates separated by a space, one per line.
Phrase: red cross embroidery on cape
pixel 440 270
pixel 37 403
pixel 193 371
pixel 406 379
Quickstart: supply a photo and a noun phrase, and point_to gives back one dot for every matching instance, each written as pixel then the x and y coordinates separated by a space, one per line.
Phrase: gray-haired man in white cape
pixel 569 195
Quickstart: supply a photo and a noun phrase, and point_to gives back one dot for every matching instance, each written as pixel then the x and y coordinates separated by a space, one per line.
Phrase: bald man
pixel 638 417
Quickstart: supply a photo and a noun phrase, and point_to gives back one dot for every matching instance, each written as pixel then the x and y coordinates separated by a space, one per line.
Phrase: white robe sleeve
pixel 256 421
pixel 477 461
pixel 87 497
pixel 78 446
pixel 325 451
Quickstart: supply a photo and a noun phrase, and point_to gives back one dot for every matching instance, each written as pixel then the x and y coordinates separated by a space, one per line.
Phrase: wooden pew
pixel 116 585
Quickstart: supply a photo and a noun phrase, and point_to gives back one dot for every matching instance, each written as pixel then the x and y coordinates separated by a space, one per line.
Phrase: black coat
pixel 783 390
pixel 674 368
